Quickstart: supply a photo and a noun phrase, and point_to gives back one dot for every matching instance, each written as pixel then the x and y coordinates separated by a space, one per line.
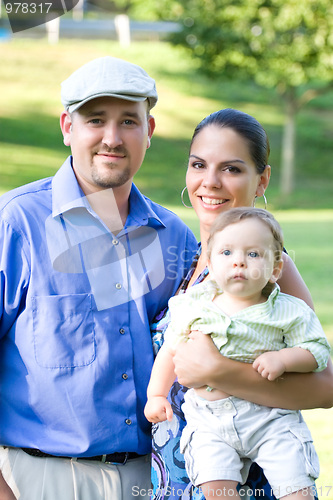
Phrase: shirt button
pixel 125 376
pixel 128 421
pixel 118 286
pixel 115 242
pixel 122 331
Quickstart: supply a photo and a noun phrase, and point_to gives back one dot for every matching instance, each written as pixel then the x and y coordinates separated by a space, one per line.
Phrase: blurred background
pixel 270 58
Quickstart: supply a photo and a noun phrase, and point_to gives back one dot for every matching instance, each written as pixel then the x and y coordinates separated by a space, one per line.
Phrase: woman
pixel 227 168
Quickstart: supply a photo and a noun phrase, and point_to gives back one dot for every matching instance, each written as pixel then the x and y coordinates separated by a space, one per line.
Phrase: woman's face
pixel 221 174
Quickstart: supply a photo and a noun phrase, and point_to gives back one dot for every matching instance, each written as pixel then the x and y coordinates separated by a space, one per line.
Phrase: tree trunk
pixel 288 144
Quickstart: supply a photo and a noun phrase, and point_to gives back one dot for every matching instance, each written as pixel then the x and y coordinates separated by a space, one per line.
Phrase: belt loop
pixel 126 458
pixel 103 459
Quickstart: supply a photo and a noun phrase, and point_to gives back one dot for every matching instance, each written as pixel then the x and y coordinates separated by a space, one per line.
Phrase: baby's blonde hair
pixel 235 215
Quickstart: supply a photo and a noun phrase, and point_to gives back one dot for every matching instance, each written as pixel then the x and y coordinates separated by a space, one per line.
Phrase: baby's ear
pixel 276 272
pixel 211 274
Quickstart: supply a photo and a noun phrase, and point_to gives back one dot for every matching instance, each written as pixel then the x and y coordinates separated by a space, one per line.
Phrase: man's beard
pixel 113 180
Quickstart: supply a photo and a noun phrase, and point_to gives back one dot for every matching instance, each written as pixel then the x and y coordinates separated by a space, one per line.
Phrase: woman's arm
pixel 199 363
pixel 291 281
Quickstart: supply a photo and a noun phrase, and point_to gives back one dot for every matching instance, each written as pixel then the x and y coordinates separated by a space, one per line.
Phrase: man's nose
pixel 112 137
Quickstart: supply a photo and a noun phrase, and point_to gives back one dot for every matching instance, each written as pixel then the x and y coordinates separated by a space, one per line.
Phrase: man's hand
pixel 157 409
pixel 270 365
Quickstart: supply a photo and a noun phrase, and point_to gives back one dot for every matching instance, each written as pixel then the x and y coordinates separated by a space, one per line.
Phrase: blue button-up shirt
pixel 75 306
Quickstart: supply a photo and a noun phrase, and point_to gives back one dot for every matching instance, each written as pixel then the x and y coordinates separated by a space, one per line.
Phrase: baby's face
pixel 242 259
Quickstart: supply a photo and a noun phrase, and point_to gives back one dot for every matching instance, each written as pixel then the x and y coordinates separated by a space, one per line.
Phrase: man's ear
pixel 66 127
pixel 151 128
pixel 276 272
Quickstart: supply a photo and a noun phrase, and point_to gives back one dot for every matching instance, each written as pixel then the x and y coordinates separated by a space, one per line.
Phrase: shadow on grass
pixel 36 129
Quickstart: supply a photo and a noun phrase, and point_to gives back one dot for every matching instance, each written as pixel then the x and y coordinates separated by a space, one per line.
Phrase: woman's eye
pixel 233 170
pixel 197 164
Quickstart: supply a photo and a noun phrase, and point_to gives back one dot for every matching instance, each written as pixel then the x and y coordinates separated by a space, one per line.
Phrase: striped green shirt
pixel 282 321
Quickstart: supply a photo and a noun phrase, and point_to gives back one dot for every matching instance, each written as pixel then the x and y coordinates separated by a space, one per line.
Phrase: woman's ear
pixel 264 181
pixel 66 127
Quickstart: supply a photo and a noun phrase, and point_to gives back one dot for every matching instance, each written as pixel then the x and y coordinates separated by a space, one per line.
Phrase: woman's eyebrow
pixel 235 160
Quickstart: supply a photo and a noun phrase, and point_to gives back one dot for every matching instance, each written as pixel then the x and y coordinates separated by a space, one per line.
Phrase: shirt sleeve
pixel 306 332
pixel 14 275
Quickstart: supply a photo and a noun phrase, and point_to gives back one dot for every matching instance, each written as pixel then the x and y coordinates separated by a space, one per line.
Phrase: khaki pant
pixel 33 478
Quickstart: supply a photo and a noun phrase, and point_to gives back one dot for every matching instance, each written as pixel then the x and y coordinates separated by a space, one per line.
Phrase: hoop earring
pixel 182 198
pixel 265 201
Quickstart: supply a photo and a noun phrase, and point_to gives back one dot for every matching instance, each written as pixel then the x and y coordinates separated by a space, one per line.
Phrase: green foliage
pixel 279 43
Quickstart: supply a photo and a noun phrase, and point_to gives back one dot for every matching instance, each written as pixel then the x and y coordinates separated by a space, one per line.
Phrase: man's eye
pixel 129 122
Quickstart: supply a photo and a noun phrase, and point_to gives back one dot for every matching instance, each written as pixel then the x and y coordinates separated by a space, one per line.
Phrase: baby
pixel 249 320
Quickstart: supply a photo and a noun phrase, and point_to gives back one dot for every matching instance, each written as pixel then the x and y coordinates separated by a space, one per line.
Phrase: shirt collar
pixel 67 195
pixel 66 192
pixel 141 212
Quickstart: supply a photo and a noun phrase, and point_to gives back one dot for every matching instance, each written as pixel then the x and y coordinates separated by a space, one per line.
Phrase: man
pixel 86 262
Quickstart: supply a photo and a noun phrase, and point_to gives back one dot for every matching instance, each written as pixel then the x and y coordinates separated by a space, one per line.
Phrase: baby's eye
pixel 226 252
pixel 253 254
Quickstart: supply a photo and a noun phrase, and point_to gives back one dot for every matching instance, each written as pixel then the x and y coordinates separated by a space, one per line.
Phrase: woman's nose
pixel 212 179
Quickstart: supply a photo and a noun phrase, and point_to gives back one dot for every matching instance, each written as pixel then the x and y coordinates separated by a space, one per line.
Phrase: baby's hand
pixel 158 409
pixel 269 365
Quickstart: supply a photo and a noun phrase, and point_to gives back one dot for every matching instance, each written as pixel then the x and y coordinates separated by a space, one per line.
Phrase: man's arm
pixel 200 363
pixel 5 491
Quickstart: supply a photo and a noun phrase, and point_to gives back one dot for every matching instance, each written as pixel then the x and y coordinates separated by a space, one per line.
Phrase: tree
pixel 282 44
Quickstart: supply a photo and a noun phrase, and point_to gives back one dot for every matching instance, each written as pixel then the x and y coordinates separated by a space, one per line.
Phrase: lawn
pixel 31 147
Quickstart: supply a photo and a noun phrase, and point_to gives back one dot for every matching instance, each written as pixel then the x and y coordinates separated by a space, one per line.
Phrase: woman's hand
pixel 194 360
pixel 198 363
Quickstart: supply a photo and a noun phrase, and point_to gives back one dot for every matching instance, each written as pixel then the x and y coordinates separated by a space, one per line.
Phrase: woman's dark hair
pixel 246 126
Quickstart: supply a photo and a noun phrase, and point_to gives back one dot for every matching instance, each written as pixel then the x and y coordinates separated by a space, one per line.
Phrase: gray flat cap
pixel 107 77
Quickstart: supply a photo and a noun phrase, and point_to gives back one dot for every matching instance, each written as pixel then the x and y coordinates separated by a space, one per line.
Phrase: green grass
pixel 31 147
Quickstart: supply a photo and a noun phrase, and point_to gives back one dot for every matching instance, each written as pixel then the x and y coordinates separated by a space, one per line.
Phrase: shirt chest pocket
pixel 64 335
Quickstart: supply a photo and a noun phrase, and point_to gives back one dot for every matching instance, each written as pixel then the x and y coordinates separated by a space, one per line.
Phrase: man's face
pixel 108 138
